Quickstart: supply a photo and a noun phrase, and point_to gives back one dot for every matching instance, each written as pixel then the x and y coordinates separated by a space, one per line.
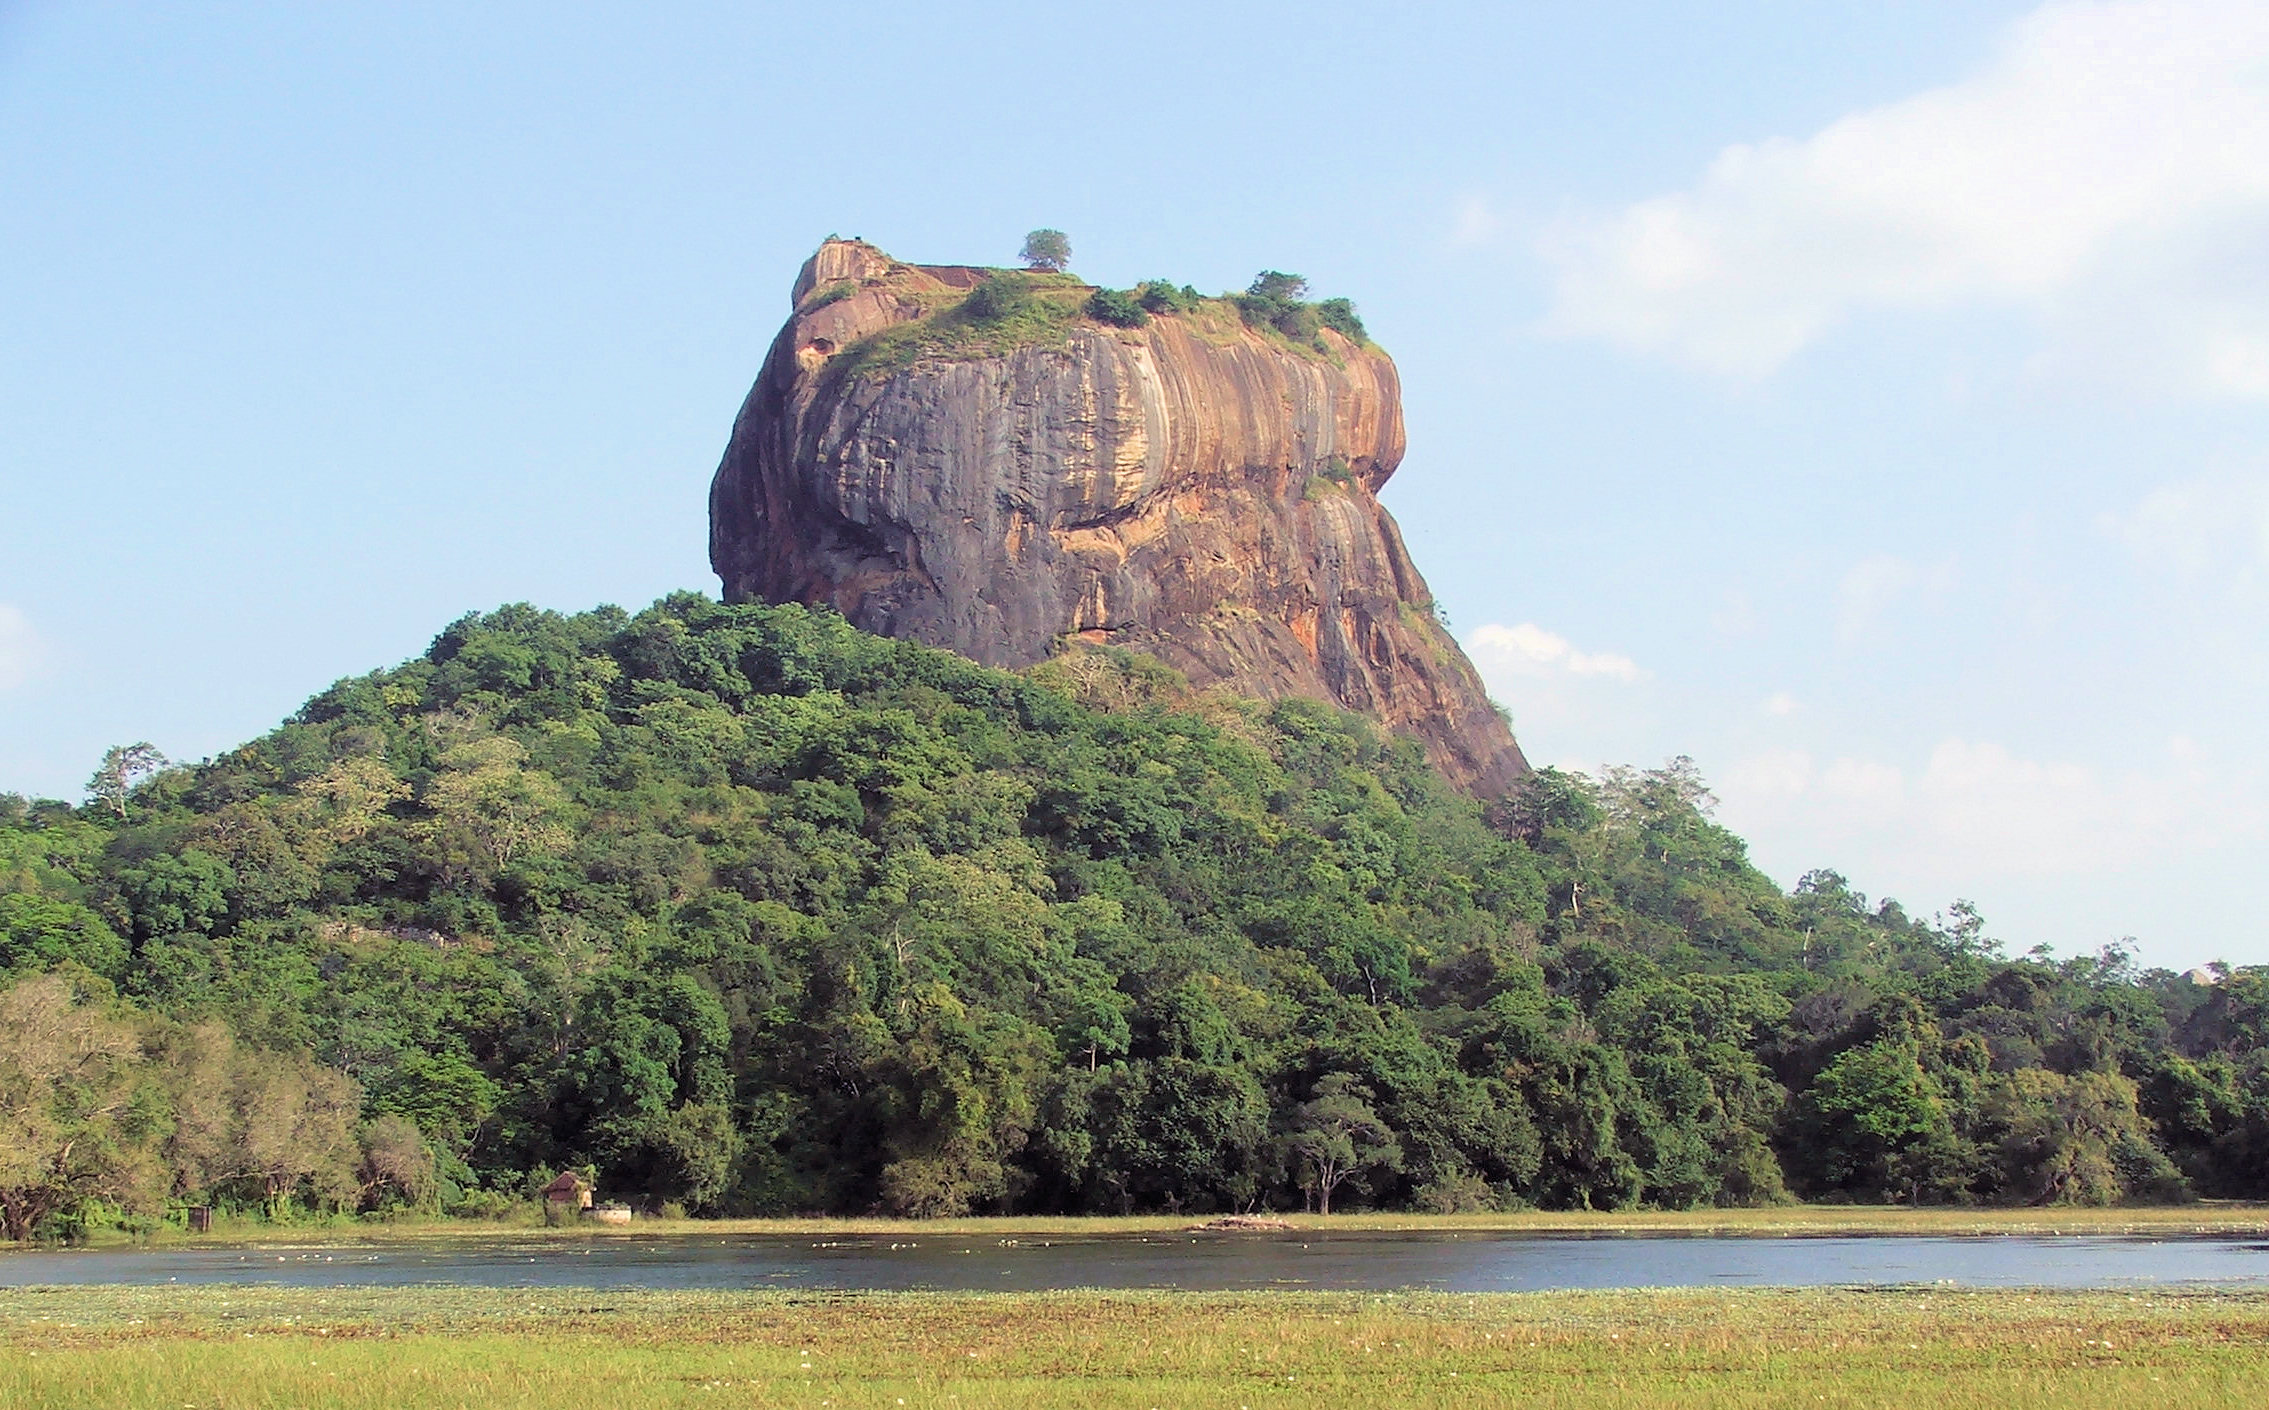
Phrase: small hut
pixel 566 1196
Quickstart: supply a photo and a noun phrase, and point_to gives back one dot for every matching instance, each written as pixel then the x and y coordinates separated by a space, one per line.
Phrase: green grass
pixel 261 1347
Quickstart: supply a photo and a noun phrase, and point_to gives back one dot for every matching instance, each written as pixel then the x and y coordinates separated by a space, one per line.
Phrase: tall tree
pixel 122 767
pixel 1048 250
pixel 1337 1137
pixel 69 1127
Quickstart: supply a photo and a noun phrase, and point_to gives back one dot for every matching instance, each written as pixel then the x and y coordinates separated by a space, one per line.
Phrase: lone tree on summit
pixel 1276 285
pixel 1046 249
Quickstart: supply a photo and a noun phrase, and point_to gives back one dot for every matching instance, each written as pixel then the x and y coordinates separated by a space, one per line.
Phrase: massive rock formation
pixel 1194 489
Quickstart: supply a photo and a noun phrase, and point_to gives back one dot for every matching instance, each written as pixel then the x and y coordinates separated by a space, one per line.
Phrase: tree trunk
pixel 20 1212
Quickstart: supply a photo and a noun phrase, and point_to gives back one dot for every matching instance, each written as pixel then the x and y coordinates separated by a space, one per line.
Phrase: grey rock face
pixel 1194 490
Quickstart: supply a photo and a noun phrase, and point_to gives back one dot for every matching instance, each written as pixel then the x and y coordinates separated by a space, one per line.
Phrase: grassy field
pixel 1785 1221
pixel 262 1347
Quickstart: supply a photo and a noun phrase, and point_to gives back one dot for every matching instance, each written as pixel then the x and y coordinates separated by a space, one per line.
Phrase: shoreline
pixel 2205 1219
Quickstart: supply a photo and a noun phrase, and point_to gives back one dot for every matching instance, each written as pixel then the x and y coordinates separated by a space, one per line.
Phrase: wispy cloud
pixel 1530 650
pixel 20 647
pixel 1570 706
pixel 2107 171
pixel 1476 223
pixel 1736 615
pixel 1876 585
pixel 1980 809
pixel 2209 526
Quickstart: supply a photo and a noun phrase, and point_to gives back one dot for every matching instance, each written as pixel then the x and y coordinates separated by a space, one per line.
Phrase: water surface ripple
pixel 1358 1261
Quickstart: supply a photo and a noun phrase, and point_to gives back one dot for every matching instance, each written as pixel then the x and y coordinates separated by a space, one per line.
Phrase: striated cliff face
pixel 1195 490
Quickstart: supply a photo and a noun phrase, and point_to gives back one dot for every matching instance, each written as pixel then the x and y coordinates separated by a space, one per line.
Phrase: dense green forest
pixel 747 911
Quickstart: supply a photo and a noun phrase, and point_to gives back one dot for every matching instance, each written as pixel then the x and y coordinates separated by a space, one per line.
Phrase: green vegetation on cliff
pixel 1040 306
pixel 1009 310
pixel 750 911
pixel 1279 301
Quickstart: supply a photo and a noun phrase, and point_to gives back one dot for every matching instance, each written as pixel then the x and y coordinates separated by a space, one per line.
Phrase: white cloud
pixel 1975 810
pixel 1863 783
pixel 1780 702
pixel 20 648
pixel 1879 582
pixel 2211 525
pixel 1769 781
pixel 1980 800
pixel 1572 708
pixel 2106 171
pixel 1477 223
pixel 1530 650
pixel 1736 615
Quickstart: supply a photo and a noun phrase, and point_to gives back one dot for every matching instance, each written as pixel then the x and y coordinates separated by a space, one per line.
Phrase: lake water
pixel 1195 1262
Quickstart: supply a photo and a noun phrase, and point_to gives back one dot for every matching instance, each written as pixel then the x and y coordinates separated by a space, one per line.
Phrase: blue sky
pixel 1867 400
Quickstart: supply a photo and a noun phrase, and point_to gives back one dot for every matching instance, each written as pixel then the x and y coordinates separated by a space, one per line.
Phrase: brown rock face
pixel 1195 490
